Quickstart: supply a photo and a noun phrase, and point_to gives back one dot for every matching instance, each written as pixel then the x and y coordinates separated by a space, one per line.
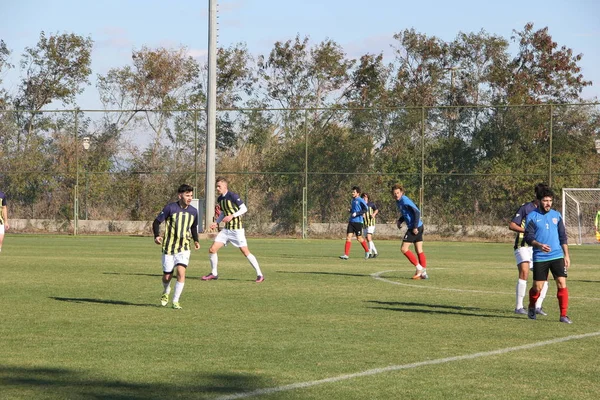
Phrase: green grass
pixel 80 320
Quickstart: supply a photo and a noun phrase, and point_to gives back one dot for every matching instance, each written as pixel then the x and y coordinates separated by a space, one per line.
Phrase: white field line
pixel 377 276
pixel 376 371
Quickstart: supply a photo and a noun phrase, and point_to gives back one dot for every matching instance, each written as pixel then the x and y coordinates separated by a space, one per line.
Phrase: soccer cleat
pixel 374 255
pixel 176 305
pixel 566 320
pixel 259 279
pixel 531 313
pixel 520 311
pixel 539 311
pixel 367 256
pixel 424 275
pixel 344 257
pixel 210 277
pixel 416 277
pixel 164 299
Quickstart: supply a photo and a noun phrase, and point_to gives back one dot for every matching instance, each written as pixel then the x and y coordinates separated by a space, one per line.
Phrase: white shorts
pixel 524 254
pixel 236 237
pixel 369 229
pixel 169 261
pixel 2 229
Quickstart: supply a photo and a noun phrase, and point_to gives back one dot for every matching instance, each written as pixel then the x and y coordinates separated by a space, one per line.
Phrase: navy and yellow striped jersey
pixel 520 219
pixel 2 204
pixel 369 217
pixel 179 223
pixel 231 202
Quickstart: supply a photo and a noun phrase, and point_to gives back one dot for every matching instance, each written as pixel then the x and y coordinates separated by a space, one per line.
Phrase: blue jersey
pixel 358 207
pixel 410 212
pixel 547 229
pixel 179 223
pixel 519 219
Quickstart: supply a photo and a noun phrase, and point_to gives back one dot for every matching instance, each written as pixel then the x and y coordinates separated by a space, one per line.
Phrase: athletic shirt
pixel 520 218
pixel 358 206
pixel 229 203
pixel 548 229
pixel 178 225
pixel 369 218
pixel 2 204
pixel 410 212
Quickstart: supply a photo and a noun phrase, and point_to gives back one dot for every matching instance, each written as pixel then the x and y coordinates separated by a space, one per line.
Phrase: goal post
pixel 580 212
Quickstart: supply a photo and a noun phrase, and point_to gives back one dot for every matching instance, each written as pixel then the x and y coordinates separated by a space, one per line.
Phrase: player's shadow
pixel 131 274
pixel 323 273
pixel 424 308
pixel 582 280
pixel 102 301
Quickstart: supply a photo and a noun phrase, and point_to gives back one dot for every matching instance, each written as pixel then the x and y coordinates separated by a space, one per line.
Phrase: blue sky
pixel 359 27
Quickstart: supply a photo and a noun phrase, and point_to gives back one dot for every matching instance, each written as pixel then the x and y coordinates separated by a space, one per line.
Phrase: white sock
pixel 521 289
pixel 419 267
pixel 254 264
pixel 540 300
pixel 214 260
pixel 178 290
pixel 373 249
pixel 167 286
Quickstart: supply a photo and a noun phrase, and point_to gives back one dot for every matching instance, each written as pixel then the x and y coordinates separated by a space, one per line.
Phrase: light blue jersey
pixel 546 228
pixel 357 208
pixel 410 212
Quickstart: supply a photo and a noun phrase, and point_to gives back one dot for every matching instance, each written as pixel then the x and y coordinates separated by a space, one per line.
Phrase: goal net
pixel 581 214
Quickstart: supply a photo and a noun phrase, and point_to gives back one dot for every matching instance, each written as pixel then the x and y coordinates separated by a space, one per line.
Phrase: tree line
pixel 467 126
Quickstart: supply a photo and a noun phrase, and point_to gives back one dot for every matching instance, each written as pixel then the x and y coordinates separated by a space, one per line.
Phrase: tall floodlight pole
pixel 211 99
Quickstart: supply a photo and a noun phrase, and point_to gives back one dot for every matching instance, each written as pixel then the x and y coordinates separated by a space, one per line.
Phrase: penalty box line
pixel 376 371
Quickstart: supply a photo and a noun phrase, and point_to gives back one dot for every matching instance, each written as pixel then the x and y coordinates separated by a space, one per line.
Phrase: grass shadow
pixel 441 309
pixel 323 273
pixel 62 383
pixel 102 301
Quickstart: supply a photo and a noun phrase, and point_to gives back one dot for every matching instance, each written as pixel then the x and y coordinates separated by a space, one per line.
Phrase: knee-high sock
pixel 372 247
pixel 365 246
pixel 167 286
pixel 214 260
pixel 254 264
pixel 347 247
pixel 422 260
pixel 540 300
pixel 411 257
pixel 521 289
pixel 563 301
pixel 178 290
pixel 533 296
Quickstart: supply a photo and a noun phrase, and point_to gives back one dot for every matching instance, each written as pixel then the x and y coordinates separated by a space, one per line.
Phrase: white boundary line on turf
pixel 376 371
pixel 377 276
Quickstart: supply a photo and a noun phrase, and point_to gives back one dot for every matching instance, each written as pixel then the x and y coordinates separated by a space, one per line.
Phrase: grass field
pixel 81 320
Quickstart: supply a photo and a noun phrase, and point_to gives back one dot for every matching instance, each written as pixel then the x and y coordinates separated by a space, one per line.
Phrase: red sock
pixel 563 300
pixel 422 260
pixel 411 257
pixel 533 296
pixel 364 245
pixel 347 248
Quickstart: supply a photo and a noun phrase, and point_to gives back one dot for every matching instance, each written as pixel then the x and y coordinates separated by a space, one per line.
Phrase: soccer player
pixel 3 217
pixel 545 231
pixel 231 210
pixel 524 253
pixel 369 224
pixel 358 207
pixel 411 214
pixel 180 219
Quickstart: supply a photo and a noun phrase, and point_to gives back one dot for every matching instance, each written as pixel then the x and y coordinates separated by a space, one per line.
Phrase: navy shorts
pixel 541 269
pixel 355 227
pixel 410 237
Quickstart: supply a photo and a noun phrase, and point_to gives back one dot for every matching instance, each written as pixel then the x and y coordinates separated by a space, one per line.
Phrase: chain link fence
pixel 464 166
